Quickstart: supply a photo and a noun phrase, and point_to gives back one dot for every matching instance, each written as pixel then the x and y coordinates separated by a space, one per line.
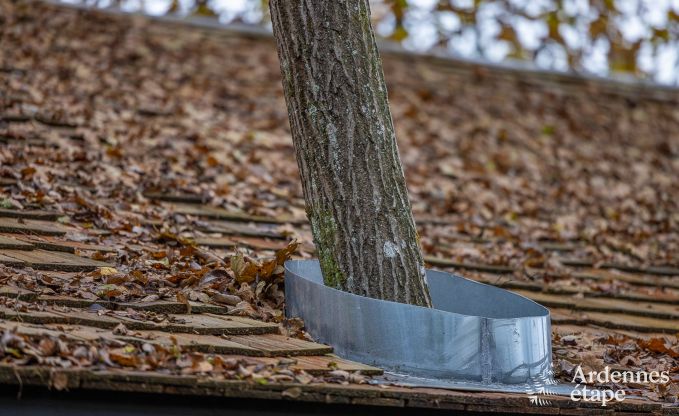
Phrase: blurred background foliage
pixel 623 38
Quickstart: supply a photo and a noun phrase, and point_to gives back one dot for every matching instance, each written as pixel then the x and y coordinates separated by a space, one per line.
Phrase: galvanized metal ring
pixel 474 332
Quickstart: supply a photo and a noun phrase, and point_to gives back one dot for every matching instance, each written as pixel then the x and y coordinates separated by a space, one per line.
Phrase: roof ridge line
pixel 616 84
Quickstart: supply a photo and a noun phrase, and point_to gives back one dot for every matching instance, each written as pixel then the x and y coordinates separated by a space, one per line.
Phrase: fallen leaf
pixel 292 392
pixel 107 271
pixel 121 357
pixel 181 298
pixel 120 329
pixel 245 271
pixel 657 345
pixel 59 380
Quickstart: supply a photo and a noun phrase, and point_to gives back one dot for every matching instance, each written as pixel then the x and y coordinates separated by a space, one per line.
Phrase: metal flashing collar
pixel 474 333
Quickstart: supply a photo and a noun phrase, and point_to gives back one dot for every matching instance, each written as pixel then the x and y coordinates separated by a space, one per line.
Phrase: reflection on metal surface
pixel 474 332
pixel 540 384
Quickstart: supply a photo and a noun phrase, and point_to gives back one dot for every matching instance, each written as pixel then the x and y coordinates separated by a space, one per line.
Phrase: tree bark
pixel 353 181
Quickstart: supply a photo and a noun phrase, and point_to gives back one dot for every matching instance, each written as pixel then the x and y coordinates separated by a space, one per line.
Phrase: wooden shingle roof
pixel 148 196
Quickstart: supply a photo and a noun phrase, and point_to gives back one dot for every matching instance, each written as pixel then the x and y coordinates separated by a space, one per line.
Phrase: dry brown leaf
pixel 292 392
pixel 121 357
pixel 182 298
pixel 657 345
pixel 107 271
pixel 283 254
pixel 244 270
pixel 59 380
pixel 120 329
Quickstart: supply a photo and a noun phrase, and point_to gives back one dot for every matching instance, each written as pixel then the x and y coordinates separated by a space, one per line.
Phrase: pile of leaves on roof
pixel 65 353
pixel 137 108
pixel 245 286
pixel 593 351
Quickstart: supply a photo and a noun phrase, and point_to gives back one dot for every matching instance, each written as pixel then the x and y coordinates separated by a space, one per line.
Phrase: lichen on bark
pixel 353 181
pixel 324 230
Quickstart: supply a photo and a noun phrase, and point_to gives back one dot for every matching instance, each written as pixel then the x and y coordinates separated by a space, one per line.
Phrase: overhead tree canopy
pixel 637 37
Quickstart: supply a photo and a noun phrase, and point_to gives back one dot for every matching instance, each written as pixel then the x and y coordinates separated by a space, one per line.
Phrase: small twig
pixel 21 383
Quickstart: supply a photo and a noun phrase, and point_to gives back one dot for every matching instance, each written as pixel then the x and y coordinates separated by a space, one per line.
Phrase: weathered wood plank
pixel 458 238
pixel 274 345
pixel 671 298
pixel 32 140
pixel 598 331
pixel 192 342
pixel 667 295
pixel 50 243
pixel 17 293
pixel 48 120
pixel 558 246
pixel 207 211
pixel 270 345
pixel 633 279
pixel 655 310
pixel 159 306
pixel 614 321
pixel 15 118
pixel 40 242
pixel 73 332
pixel 11 261
pixel 150 382
pixel 49 260
pixel 175 197
pixel 655 270
pixel 51 316
pixel 590 272
pixel 9 243
pixel 165 306
pixel 33 214
pixel 323 364
pixel 179 323
pixel 22 226
pixel 229 242
pixel 441 262
pixel 208 324
pixel 239 229
pixel 266 345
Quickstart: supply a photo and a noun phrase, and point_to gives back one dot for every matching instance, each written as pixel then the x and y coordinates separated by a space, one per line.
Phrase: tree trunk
pixel 353 181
